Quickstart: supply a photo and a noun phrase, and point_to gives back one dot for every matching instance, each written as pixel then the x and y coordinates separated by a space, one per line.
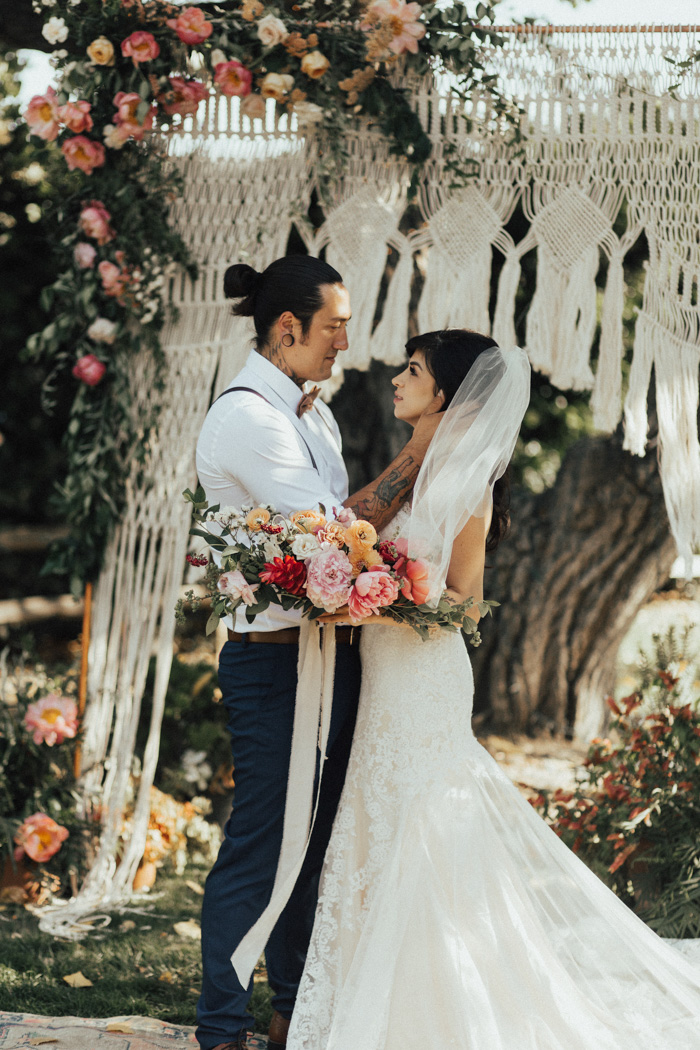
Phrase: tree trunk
pixel 580 560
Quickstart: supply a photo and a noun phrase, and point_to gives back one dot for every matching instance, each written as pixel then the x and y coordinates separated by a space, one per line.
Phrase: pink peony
pixel 53 719
pixel 370 591
pixel 89 369
pixel 328 579
pixel 126 118
pixel 404 21
pixel 140 47
pixel 81 152
pixel 232 78
pixel 191 25
pixel 76 116
pixel 94 222
pixel 235 585
pixel 183 97
pixel 42 116
pixel 413 575
pixel 39 837
pixel 84 255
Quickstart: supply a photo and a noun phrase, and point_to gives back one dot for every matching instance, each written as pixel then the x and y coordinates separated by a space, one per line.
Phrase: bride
pixel 450 915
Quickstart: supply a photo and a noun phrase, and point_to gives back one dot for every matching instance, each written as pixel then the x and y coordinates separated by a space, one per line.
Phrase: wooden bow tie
pixel 307 401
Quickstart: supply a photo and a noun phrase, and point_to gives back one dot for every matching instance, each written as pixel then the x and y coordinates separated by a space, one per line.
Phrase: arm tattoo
pixel 275 355
pixel 379 501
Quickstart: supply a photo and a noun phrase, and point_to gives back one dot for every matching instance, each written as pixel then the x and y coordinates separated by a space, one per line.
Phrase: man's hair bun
pixel 241 282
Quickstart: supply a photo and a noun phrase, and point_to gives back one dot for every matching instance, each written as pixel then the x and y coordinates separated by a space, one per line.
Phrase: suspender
pixel 257 393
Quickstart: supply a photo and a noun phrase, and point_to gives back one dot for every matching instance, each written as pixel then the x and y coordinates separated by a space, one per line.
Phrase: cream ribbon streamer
pixel 312 719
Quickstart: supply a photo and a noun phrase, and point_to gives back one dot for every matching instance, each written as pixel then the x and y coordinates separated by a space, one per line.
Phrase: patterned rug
pixel 20 1031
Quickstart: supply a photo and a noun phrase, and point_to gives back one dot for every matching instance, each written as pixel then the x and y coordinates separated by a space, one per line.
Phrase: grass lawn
pixel 138 964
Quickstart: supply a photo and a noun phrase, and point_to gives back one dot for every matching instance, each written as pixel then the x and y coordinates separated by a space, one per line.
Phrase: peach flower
pixel 84 255
pixel 183 97
pixel 101 51
pixel 403 19
pixel 191 26
pixel 370 592
pixel 364 558
pixel 413 574
pixel 53 719
pixel 308 520
pixel 232 78
pixel 126 116
pixel 360 535
pixel 94 222
pixel 314 64
pixel 81 152
pixel 277 86
pixel 42 116
pixel 89 369
pixel 40 837
pixel 333 533
pixel 76 116
pixel 253 107
pixel 140 47
pixel 257 518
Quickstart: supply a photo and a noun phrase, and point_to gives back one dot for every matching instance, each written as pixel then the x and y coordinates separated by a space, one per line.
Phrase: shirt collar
pixel 274 377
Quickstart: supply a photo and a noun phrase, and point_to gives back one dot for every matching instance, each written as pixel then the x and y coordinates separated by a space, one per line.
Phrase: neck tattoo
pixel 275 354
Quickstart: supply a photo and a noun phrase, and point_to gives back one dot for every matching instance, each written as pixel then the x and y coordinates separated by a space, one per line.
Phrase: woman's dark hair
pixel 449 355
pixel 294 283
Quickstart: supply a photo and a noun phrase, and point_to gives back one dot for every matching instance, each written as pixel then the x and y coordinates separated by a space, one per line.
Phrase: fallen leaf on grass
pixel 195 887
pixel 189 929
pixel 77 980
pixel 119 1026
pixel 127 925
pixel 167 977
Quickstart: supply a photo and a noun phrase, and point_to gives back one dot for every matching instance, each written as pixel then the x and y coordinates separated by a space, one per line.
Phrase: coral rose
pixel 277 86
pixel 52 719
pixel 140 47
pixel 360 535
pixel 76 116
pixel 413 575
pixel 81 152
pixel 39 837
pixel 286 573
pixel 89 369
pixel 94 222
pixel 191 26
pixel 84 255
pixel 403 20
pixel 328 579
pixel 257 518
pixel 126 116
pixel 253 107
pixel 314 64
pixel 271 31
pixel 101 51
pixel 235 585
pixel 183 97
pixel 232 78
pixel 371 591
pixel 42 116
pixel 114 279
pixel 308 520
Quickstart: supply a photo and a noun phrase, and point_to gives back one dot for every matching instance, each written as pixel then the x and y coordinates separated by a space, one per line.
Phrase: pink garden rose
pixel 94 222
pixel 42 116
pixel 140 47
pixel 53 719
pixel 89 369
pixel 126 119
pixel 370 591
pixel 328 579
pixel 235 585
pixel 76 116
pixel 191 25
pixel 232 78
pixel 40 837
pixel 81 152
pixel 404 21
pixel 84 255
pixel 183 97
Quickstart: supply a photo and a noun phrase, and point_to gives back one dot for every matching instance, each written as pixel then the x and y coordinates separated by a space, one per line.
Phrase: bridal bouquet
pixel 317 563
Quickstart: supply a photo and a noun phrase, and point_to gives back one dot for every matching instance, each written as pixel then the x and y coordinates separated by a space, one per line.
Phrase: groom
pixel 265 441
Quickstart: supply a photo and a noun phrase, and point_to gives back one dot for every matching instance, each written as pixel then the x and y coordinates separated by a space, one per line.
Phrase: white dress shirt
pixel 252 451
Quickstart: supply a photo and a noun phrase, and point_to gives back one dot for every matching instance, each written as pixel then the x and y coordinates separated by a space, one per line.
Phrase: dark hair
pixel 291 283
pixel 449 355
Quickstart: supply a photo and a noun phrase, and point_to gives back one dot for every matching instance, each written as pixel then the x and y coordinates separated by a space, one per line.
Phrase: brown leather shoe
pixel 277 1035
pixel 239 1043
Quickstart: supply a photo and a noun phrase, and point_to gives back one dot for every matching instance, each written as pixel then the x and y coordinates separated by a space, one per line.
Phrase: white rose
pixel 305 546
pixel 272 549
pixel 217 57
pixel 271 31
pixel 102 331
pixel 55 30
pixel 307 112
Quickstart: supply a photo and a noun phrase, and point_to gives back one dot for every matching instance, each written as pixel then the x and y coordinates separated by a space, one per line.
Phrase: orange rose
pixel 257 518
pixel 314 64
pixel 308 520
pixel 360 535
pixel 101 51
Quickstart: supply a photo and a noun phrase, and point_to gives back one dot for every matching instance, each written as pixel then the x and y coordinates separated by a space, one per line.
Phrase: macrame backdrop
pixel 609 149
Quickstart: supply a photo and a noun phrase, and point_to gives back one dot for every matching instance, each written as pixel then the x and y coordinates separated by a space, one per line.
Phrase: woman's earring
pixel 287 335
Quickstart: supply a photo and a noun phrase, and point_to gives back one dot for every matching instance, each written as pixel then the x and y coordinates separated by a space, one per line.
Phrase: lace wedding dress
pixel 450 915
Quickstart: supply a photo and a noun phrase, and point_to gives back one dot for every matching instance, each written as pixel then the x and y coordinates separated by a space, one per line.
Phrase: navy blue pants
pixel 258 682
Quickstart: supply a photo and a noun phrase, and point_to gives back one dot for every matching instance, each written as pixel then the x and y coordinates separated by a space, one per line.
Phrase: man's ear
pixel 285 323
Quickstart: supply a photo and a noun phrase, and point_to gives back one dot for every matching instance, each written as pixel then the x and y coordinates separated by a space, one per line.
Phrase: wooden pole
pixel 82 686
